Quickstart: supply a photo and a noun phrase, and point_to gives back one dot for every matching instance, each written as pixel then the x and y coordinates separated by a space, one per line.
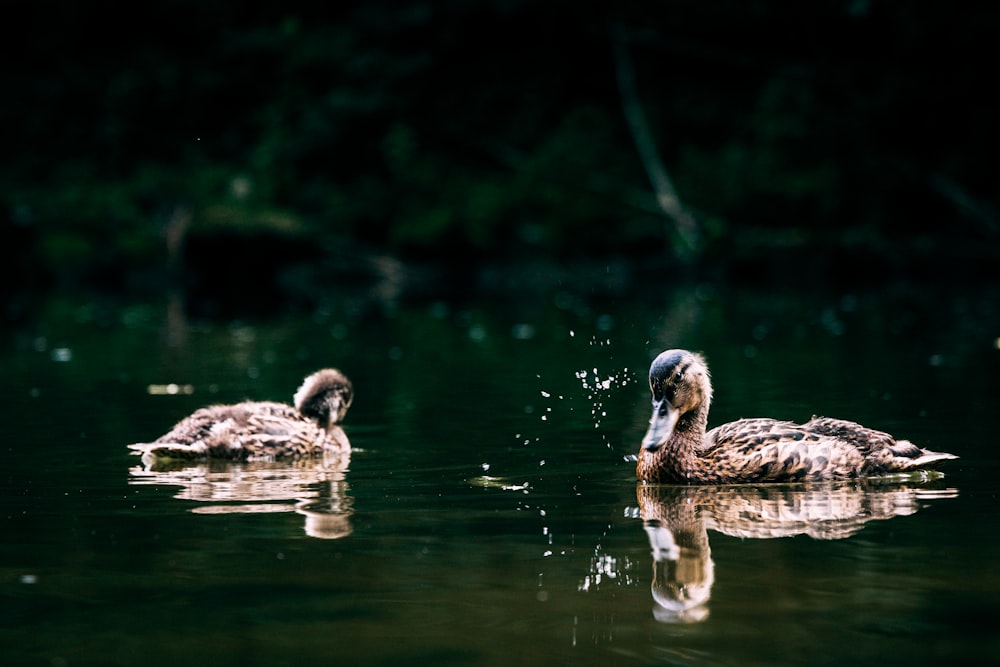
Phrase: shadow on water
pixel 677 520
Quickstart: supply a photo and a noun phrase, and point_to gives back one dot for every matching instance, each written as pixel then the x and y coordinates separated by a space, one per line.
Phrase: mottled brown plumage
pixel 263 430
pixel 676 448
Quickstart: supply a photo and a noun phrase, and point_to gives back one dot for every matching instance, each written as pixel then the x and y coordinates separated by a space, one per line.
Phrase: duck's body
pixel 677 448
pixel 263 429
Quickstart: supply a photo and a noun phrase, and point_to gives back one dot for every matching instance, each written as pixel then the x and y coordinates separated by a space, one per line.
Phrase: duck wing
pixel 822 448
pixel 883 453
pixel 867 440
pixel 282 435
pixel 748 435
pixel 252 429
pixel 756 450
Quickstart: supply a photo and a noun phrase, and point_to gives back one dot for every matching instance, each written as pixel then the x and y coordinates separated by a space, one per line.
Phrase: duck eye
pixel 678 377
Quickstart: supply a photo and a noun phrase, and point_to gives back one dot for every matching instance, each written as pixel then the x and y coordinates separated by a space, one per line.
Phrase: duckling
pixel 263 430
pixel 676 448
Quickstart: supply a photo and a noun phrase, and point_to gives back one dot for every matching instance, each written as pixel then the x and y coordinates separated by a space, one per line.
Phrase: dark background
pixel 228 147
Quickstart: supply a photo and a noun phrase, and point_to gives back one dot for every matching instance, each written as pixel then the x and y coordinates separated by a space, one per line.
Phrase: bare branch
pixel 666 195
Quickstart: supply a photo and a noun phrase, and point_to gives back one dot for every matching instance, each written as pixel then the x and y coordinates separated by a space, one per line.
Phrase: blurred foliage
pixel 471 130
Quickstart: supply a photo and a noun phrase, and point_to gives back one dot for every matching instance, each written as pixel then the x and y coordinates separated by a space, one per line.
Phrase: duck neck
pixel 676 460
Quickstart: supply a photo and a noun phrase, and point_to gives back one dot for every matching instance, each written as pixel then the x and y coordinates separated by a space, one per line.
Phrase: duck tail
pixel 169 450
pixel 929 460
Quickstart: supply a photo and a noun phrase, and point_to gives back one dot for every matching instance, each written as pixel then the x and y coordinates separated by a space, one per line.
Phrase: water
pixel 488 513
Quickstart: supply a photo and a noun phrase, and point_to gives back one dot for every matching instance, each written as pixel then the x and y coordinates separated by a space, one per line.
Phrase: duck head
pixel 681 391
pixel 325 396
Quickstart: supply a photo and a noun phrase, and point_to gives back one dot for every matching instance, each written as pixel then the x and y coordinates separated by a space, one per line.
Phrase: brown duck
pixel 677 450
pixel 263 430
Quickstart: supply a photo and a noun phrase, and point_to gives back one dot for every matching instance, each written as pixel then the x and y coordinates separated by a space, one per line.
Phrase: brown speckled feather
pixel 677 449
pixel 263 430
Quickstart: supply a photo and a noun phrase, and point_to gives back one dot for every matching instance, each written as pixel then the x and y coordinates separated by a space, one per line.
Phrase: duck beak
pixel 661 425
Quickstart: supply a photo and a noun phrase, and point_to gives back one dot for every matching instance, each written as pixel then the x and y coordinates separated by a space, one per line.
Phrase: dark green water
pixel 487 514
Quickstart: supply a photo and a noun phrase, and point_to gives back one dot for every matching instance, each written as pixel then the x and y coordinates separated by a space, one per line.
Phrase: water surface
pixel 488 513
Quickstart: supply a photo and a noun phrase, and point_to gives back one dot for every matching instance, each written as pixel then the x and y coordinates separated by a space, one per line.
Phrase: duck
pixel 676 448
pixel 263 430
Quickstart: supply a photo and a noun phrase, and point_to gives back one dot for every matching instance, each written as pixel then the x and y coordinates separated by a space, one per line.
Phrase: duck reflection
pixel 314 487
pixel 677 519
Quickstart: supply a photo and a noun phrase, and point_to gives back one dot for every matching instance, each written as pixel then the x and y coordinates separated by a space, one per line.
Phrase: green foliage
pixel 467 130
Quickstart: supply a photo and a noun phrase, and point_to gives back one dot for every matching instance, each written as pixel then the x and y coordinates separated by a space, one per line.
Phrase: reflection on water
pixel 316 488
pixel 677 519
pixel 532 558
